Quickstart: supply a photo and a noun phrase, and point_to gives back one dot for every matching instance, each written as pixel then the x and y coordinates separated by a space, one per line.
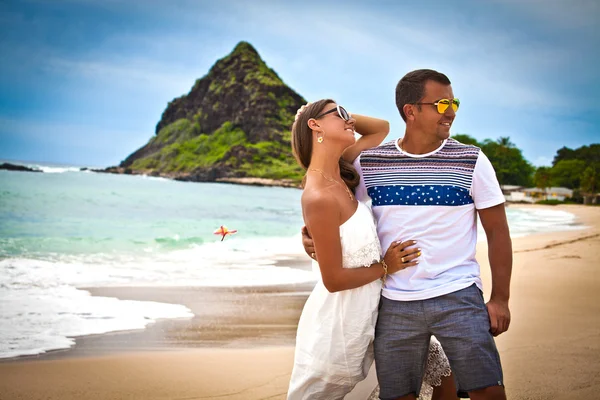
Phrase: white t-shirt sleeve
pixel 361 190
pixel 485 188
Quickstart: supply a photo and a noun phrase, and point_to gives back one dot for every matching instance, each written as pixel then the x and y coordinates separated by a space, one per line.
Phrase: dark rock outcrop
pixel 13 167
pixel 234 123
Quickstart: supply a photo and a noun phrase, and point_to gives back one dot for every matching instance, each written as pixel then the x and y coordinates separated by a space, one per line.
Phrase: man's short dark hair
pixel 411 87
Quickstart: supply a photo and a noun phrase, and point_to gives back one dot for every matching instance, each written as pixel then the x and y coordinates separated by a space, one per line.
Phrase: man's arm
pixel 495 225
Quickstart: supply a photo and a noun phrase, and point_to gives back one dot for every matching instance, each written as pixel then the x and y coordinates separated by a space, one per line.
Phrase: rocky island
pixel 233 126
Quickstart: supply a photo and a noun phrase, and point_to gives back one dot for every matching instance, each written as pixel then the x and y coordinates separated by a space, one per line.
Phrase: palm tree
pixel 542 178
pixel 505 142
pixel 589 185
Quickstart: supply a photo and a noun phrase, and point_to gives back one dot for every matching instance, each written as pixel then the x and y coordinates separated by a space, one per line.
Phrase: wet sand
pixel 239 345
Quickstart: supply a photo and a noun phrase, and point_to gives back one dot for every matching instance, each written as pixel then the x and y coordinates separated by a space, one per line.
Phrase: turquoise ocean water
pixel 66 229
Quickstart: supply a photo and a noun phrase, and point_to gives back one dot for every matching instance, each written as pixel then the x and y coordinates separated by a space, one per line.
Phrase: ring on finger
pixel 402 259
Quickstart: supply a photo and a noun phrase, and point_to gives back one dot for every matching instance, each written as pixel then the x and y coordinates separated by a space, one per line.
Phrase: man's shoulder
pixel 457 148
pixel 387 148
pixel 453 143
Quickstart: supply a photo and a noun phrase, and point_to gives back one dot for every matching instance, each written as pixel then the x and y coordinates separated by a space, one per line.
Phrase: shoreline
pixel 188 177
pixel 551 351
pixel 175 176
pixel 213 328
pixel 224 317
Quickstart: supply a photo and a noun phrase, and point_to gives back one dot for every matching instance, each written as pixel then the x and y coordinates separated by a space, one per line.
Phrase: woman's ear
pixel 313 124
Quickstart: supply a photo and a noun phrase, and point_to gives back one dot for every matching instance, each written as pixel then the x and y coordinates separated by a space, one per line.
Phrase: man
pixel 430 188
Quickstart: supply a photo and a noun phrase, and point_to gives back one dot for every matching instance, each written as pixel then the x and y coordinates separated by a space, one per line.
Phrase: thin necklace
pixel 333 180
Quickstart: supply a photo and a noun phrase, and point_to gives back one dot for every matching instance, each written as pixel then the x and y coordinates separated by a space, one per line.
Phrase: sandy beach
pixel 240 343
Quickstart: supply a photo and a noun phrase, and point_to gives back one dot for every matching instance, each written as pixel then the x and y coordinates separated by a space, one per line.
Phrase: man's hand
pixel 493 220
pixel 307 242
pixel 499 316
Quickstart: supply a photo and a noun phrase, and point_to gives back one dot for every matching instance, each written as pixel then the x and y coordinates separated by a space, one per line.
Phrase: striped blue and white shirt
pixel 431 198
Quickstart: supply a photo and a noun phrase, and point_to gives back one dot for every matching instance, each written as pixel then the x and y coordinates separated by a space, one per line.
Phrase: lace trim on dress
pixel 437 368
pixel 363 257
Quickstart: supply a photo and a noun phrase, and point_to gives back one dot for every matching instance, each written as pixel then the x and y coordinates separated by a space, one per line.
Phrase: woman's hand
pixel 372 130
pixel 401 255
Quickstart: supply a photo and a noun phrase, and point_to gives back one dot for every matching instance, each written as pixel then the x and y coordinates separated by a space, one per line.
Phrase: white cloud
pixel 354 53
pixel 68 135
pixel 572 14
pixel 502 64
pixel 126 72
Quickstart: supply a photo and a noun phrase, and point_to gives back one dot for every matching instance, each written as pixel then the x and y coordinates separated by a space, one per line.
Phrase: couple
pixel 426 191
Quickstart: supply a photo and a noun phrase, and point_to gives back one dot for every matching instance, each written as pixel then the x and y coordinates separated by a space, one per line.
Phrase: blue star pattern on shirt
pixel 419 195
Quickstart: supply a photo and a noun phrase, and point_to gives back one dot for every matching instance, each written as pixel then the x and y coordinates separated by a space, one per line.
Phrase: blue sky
pixel 85 82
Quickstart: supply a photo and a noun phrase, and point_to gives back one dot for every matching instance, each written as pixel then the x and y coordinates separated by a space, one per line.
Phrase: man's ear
pixel 409 111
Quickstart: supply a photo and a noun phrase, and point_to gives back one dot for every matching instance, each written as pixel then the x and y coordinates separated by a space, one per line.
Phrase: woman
pixel 336 329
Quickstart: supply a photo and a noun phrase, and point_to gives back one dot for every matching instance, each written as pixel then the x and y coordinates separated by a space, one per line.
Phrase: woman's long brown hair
pixel 302 143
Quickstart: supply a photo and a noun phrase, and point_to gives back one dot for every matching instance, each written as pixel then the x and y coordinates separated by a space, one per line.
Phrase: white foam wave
pixel 43 309
pixel 39 319
pixel 523 222
pixel 248 262
pixel 155 178
pixel 55 170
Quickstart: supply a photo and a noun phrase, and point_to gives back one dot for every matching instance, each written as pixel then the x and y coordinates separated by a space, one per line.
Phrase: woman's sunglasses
pixel 342 113
pixel 443 104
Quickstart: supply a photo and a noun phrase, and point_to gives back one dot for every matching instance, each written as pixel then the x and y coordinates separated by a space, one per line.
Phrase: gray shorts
pixel 458 320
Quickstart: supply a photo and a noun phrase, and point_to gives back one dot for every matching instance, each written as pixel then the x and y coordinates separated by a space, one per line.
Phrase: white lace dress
pixel 334 342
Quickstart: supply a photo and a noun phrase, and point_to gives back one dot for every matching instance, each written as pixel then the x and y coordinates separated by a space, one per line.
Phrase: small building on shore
pixel 591 198
pixel 514 193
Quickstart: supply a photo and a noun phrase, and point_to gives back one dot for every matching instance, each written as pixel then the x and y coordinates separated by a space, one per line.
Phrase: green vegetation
pixel 542 177
pixel 272 160
pixel 242 56
pixel 550 202
pixel 577 169
pixel 236 120
pixel 199 151
pixel 262 160
pixel 590 154
pixel 178 130
pixel 508 161
pixel 567 173
pixel 590 179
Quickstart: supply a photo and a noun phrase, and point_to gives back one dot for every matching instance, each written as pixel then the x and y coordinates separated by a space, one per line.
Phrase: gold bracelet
pixel 385 270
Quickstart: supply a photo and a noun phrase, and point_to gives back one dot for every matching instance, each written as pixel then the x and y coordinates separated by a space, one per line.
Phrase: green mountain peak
pixel 235 122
